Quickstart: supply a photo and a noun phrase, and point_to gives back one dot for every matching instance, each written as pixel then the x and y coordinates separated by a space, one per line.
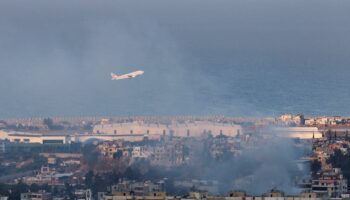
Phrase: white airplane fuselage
pixel 127 76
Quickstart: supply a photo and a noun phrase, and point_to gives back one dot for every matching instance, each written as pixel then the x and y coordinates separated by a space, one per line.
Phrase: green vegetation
pixel 118 154
pixel 340 160
pixel 100 182
pixel 315 166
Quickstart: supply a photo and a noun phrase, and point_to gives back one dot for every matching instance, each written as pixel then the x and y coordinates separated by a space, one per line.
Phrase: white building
pixel 140 152
pixel 297 132
pixel 330 184
pixel 25 137
pixel 83 194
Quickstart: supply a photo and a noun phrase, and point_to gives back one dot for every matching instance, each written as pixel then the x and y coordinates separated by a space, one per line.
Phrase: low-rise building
pixel 83 194
pixel 140 152
pixel 36 196
pixel 294 120
pixel 46 175
pixel 330 183
pixel 137 188
pixel 201 185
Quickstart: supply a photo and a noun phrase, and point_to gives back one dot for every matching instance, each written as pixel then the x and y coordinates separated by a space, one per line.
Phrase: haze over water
pixel 241 58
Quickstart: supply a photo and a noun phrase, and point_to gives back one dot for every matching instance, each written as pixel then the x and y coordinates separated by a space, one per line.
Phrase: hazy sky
pixel 244 57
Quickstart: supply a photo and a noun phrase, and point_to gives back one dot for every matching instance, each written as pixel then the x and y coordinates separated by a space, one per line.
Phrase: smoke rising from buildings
pixel 257 169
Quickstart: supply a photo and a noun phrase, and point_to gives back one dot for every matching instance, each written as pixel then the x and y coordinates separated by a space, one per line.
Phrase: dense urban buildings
pixel 171 157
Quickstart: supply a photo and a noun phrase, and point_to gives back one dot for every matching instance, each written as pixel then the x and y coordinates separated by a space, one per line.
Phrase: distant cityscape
pixel 180 157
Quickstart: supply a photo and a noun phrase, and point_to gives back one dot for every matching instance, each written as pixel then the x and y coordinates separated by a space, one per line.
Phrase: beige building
pixel 35 196
pixel 193 129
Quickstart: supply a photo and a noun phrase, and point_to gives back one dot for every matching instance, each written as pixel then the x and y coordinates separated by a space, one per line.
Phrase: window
pixel 115 131
pixel 53 142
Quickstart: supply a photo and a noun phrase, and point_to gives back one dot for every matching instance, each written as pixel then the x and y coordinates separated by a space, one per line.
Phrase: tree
pixel 4 189
pixel 34 188
pixel 315 166
pixel 99 185
pixel 339 160
pixel 89 178
pixel 132 174
pixel 118 154
pixel 69 190
pixel 336 159
pixel 17 190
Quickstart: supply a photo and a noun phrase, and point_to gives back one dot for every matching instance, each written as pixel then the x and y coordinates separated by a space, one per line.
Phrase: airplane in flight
pixel 126 76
